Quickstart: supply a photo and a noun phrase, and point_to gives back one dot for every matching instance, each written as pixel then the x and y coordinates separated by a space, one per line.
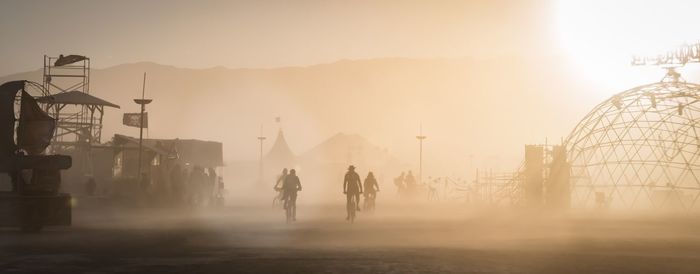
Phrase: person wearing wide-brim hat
pixel 352 187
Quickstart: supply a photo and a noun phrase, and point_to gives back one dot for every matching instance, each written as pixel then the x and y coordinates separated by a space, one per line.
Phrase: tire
pixel 290 210
pixel 352 210
pixel 291 206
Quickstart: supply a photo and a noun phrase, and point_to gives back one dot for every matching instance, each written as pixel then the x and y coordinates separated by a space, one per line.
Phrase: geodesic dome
pixel 639 149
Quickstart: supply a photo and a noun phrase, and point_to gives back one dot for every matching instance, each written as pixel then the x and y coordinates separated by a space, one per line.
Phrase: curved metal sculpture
pixel 639 149
pixel 34 200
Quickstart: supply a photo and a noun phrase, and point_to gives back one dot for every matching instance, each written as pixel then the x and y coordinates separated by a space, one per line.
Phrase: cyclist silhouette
pixel 371 189
pixel 278 187
pixel 290 187
pixel 352 187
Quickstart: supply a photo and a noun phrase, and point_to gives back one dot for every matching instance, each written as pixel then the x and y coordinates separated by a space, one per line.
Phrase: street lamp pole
pixel 420 138
pixel 143 102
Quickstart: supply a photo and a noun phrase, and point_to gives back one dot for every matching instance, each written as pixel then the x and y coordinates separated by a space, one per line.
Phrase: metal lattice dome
pixel 639 149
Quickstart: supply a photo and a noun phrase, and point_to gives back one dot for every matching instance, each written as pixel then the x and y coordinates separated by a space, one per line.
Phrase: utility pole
pixel 420 138
pixel 260 167
pixel 143 102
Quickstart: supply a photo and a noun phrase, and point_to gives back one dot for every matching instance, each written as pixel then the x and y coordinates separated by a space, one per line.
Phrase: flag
pixel 134 119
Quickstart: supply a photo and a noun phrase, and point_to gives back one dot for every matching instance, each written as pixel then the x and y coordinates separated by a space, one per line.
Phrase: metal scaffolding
pixel 500 188
pixel 66 96
pixel 541 180
pixel 76 123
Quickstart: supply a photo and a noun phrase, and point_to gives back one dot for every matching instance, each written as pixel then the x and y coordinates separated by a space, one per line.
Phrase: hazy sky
pixel 598 35
pixel 267 33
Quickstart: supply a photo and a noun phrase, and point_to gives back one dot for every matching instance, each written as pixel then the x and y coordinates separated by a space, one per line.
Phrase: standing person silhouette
pixel 196 185
pixel 352 187
pixel 410 185
pixel 400 187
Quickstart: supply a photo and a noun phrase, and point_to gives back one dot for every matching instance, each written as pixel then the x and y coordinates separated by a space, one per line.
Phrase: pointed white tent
pixel 280 155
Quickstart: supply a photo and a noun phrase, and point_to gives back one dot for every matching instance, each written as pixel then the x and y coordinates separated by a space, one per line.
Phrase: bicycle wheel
pixel 289 213
pixel 352 210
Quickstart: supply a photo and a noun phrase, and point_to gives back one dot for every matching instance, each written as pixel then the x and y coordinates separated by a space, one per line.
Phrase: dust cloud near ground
pixel 396 238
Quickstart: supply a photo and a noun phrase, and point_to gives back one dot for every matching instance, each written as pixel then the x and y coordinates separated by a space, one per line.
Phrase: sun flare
pixel 600 37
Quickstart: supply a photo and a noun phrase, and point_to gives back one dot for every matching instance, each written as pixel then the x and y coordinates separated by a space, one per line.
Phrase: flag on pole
pixel 134 119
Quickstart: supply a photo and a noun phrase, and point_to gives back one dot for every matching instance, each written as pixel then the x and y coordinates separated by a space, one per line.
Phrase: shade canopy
pixel 75 98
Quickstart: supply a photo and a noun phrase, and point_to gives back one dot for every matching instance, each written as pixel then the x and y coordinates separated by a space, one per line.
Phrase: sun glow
pixel 601 37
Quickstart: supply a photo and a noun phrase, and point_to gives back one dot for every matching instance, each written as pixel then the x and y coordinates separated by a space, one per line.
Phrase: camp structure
pixel 342 150
pixel 79 116
pixel 79 135
pixel 327 162
pixel 159 158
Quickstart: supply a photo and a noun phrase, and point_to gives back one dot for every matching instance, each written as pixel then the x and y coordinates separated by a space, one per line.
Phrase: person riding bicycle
pixel 371 187
pixel 290 187
pixel 278 185
pixel 352 187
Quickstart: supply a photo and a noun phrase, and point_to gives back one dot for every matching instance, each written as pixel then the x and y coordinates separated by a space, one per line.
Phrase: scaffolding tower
pixel 77 123
pixel 79 115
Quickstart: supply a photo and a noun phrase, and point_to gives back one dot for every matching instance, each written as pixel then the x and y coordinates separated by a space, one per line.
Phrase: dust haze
pixel 503 137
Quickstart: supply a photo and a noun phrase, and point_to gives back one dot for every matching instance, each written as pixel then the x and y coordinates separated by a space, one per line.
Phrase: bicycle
pixel 277 200
pixel 290 209
pixel 352 208
pixel 369 202
pixel 351 211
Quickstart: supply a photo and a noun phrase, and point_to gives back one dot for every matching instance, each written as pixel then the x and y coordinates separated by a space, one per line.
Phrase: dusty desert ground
pixel 397 238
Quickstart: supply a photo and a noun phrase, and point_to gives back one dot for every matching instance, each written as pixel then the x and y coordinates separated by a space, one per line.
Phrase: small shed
pixel 163 154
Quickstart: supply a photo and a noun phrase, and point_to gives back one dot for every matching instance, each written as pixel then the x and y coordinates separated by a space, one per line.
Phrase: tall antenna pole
pixel 143 88
pixel 262 139
pixel 420 138
pixel 143 102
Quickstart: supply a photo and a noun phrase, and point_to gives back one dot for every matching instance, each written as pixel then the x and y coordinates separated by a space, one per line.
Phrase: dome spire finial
pixel 672 75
